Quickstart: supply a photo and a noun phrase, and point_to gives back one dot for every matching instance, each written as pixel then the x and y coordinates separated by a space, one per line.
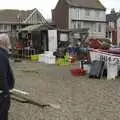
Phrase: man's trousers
pixel 4 106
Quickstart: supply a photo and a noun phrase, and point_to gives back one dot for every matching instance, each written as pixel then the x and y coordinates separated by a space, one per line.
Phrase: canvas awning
pixel 37 27
pixel 31 27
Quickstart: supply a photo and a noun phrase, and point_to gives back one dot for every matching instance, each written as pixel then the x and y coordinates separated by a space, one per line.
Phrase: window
pixel 1 27
pixel 5 27
pixel 86 25
pixel 74 25
pixel 78 14
pixel 38 17
pixel 79 25
pixel 87 13
pixel 99 27
pixel 97 13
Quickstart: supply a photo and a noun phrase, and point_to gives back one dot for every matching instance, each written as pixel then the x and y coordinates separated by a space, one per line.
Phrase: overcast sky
pixel 45 6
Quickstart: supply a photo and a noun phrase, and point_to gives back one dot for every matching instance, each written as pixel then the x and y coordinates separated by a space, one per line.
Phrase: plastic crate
pixel 78 72
pixel 34 57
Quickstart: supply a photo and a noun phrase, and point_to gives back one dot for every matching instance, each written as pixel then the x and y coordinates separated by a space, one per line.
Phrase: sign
pixel 104 56
pixel 52 37
pixel 63 37
pixel 76 35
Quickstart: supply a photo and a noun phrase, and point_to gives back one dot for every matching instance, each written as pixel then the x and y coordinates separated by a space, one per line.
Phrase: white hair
pixel 4 41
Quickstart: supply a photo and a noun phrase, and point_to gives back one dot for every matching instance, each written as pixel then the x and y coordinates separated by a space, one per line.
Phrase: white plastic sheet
pixel 112 70
pixel 52 37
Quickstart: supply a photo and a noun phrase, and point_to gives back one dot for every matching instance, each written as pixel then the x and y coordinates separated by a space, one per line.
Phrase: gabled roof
pixel 95 4
pixel 14 16
pixel 112 17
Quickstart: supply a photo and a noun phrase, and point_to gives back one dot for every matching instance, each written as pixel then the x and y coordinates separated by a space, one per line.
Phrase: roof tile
pixel 96 4
pixel 14 16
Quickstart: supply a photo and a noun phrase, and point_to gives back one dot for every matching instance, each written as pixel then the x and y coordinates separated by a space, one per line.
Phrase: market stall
pixel 110 57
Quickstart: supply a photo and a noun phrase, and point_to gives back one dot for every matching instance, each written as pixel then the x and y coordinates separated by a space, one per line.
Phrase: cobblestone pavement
pixel 80 98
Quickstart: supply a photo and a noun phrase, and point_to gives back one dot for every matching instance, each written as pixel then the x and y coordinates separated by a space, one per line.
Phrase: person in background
pixel 6 77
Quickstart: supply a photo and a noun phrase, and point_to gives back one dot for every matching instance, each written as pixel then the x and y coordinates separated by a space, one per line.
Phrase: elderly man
pixel 6 77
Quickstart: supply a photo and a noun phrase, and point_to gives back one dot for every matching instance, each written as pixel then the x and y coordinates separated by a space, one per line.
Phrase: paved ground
pixel 80 98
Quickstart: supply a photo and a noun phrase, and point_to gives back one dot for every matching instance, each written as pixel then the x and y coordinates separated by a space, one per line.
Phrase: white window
pixel 38 17
pixel 74 24
pixel 93 27
pixel 1 27
pixel 5 27
pixel 78 14
pixel 97 13
pixel 87 12
pixel 75 14
pixel 79 24
pixel 99 27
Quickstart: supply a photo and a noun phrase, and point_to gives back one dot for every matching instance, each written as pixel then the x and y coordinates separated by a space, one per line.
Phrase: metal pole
pixel 82 46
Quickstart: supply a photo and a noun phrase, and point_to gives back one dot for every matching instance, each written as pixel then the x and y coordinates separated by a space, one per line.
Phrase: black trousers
pixel 4 106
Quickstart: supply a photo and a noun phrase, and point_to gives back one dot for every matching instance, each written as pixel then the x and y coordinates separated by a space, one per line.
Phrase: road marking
pixel 19 91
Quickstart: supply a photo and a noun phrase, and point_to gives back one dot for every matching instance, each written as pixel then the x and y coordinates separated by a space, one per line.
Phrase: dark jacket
pixel 6 74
